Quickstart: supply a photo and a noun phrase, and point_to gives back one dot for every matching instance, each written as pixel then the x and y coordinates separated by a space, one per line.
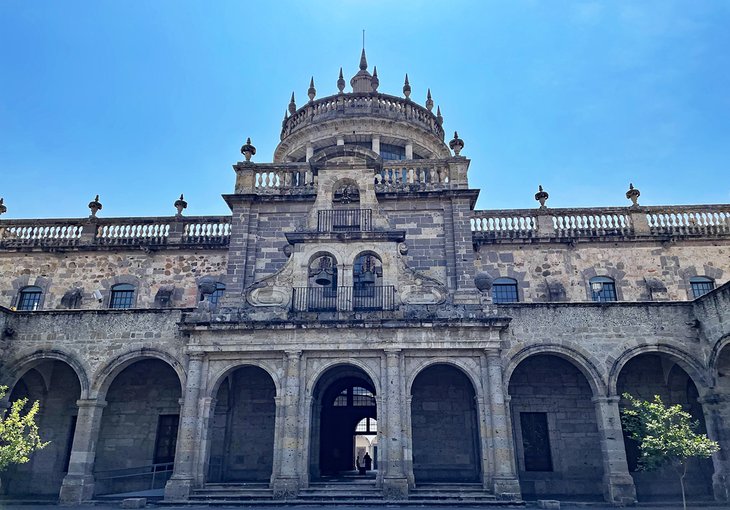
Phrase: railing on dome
pixel 381 105
pixel 660 221
pixel 413 175
pixel 156 231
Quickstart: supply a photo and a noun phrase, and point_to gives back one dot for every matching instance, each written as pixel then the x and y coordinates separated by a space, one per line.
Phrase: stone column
pixel 286 481
pixel 202 461
pixel 618 484
pixel 408 440
pixel 716 408
pixel 310 152
pixel 182 479
pixel 376 144
pixel 78 484
pixel 395 483
pixel 506 483
pixel 409 150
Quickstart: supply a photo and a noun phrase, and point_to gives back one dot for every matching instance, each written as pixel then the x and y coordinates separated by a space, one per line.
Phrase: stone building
pixel 353 301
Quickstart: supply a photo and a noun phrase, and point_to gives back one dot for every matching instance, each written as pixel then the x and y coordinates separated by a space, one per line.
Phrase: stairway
pixel 449 493
pixel 231 493
pixel 362 491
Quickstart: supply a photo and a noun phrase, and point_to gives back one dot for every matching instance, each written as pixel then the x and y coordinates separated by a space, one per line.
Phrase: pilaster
pixel 716 408
pixel 395 482
pixel 618 484
pixel 286 481
pixel 78 484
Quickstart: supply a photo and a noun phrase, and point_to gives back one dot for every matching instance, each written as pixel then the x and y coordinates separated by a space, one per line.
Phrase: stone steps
pixel 360 491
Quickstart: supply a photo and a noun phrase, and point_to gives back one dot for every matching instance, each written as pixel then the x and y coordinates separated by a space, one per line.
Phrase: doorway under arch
pixel 444 426
pixel 343 397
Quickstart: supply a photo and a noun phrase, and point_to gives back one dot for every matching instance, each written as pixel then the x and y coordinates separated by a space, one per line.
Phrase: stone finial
pixel 439 117
pixel 541 196
pixel 456 144
pixel 95 206
pixel 180 204
pixel 375 81
pixel 248 150
pixel 292 104
pixel 3 209
pixel 363 60
pixel 341 82
pixel 429 101
pixel 407 89
pixel 633 194
pixel 311 91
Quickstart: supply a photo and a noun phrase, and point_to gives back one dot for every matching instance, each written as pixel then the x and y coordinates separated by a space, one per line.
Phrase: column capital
pixel 613 399
pixel 392 351
pixel 196 356
pixel 493 353
pixel 293 354
pixel 91 402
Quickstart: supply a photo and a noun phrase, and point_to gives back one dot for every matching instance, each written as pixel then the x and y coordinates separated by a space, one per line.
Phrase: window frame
pixel 606 283
pixel 504 283
pixel 27 291
pixel 701 280
pixel 122 291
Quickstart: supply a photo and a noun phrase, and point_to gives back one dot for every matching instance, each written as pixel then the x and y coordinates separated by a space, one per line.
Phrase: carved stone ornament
pixel 248 150
pixel 483 282
pixel 541 196
pixel 95 206
pixel 180 204
pixel 3 209
pixel 418 289
pixel 274 290
pixel 633 194
pixel 456 144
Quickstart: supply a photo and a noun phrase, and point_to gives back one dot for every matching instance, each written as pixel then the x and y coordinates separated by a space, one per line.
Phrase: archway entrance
pixel 643 377
pixel 55 385
pixel 242 428
pixel 139 425
pixel 444 427
pixel 558 448
pixel 344 415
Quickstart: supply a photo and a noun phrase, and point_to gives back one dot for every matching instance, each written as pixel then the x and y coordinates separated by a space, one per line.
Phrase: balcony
pixel 344 220
pixel 343 299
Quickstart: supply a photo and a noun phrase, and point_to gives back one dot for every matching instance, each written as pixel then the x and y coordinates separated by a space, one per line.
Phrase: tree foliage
pixel 19 436
pixel 666 435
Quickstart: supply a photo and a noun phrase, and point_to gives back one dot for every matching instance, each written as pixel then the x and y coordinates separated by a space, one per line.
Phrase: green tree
pixel 666 435
pixel 19 436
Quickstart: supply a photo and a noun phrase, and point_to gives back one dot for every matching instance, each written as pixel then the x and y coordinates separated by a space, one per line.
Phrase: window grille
pixel 603 289
pixel 701 285
pixel 122 296
pixel 29 299
pixel 504 290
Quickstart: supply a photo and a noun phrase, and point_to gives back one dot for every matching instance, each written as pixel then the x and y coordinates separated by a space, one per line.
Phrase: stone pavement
pixel 530 505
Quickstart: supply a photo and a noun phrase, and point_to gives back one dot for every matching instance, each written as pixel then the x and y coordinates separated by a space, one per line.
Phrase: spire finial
pixel 292 104
pixel 456 144
pixel 95 206
pixel 341 82
pixel 407 89
pixel 429 101
pixel 375 81
pixel 363 60
pixel 311 92
pixel 439 117
pixel 3 209
pixel 541 196
pixel 248 150
pixel 180 204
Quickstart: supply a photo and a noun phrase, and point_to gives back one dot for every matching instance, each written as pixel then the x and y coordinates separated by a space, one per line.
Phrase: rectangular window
pixel 607 293
pixel 166 438
pixel 504 293
pixel 536 442
pixel 29 300
pixel 121 299
pixel 701 288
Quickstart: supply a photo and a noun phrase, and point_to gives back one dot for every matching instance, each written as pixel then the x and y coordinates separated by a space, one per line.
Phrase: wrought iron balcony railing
pixel 330 299
pixel 344 220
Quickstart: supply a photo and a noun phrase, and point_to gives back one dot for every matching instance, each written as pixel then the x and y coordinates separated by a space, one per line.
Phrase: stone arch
pixel 24 363
pixel 686 361
pixel 474 378
pixel 217 378
pixel 578 359
pixel 321 158
pixel 720 345
pixel 105 376
pixel 317 375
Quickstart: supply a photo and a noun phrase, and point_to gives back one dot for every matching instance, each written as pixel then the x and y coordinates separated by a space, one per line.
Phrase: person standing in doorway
pixel 368 461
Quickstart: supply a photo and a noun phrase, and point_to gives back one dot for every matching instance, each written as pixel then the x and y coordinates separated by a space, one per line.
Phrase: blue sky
pixel 142 101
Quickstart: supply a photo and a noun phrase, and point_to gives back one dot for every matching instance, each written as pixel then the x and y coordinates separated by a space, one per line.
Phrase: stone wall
pixel 58 273
pixel 537 267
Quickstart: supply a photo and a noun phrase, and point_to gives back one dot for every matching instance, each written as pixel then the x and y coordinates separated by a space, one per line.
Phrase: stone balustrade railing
pixel 202 231
pixel 379 105
pixel 414 175
pixel 659 221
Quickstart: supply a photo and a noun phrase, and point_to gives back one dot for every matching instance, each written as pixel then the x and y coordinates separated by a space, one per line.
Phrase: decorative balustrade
pixel 329 299
pixel 270 179
pixel 379 105
pixel 413 175
pixel 345 220
pixel 194 230
pixel 29 233
pixel 702 220
pixel 505 224
pixel 659 221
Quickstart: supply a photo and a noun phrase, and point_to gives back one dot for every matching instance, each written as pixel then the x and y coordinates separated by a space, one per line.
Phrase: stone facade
pixel 355 281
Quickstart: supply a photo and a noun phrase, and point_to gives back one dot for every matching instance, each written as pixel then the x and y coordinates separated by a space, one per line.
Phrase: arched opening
pixel 643 377
pixel 368 292
pixel 557 445
pixel 56 387
pixel 241 433
pixel 444 427
pixel 344 401
pixel 322 284
pixel 139 426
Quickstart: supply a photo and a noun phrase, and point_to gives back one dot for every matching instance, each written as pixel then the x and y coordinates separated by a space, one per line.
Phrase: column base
pixel 178 489
pixel 721 487
pixel 76 489
pixel 285 488
pixel 507 488
pixel 395 488
pixel 619 489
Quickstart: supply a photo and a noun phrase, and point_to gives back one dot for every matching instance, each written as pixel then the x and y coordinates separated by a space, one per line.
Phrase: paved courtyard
pixel 571 505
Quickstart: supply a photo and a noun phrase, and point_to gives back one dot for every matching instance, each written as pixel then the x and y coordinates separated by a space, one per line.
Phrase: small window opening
pixel 122 296
pixel 536 442
pixel 701 285
pixel 603 289
pixel 29 299
pixel 504 290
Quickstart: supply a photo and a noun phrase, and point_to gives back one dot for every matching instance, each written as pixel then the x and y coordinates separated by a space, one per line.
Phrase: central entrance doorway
pixel 344 418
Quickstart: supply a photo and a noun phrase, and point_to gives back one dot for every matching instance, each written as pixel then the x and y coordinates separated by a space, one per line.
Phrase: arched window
pixel 220 289
pixel 355 396
pixel 322 284
pixel 29 298
pixel 701 285
pixel 603 289
pixel 504 290
pixel 122 296
pixel 367 426
pixel 367 271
